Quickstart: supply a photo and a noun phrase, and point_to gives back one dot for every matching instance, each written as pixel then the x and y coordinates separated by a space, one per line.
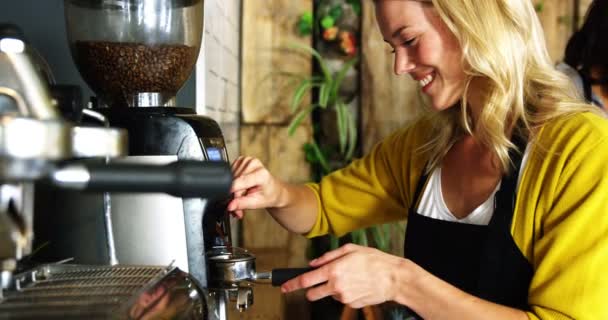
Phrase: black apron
pixel 481 260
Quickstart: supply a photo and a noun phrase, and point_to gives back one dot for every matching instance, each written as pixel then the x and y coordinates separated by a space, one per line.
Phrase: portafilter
pixel 233 270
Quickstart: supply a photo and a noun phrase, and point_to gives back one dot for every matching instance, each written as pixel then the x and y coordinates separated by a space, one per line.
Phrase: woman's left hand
pixel 354 275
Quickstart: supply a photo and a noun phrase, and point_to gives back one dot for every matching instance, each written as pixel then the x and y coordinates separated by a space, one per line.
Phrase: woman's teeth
pixel 426 80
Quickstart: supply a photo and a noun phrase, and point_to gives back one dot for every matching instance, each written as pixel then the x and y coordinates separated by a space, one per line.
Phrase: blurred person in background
pixel 586 57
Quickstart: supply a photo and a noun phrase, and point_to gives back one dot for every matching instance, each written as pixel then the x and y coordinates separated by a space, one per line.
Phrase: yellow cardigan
pixel 560 222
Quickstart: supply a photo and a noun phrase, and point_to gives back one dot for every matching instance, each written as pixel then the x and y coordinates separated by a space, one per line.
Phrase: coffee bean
pixel 118 70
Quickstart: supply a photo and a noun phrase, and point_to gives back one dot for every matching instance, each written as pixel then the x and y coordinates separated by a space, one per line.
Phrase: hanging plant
pixel 356 5
pixel 305 23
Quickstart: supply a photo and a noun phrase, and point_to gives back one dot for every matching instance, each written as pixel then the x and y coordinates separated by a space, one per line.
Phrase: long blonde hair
pixel 503 44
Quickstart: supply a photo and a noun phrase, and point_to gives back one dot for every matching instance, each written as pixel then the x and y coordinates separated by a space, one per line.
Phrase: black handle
pixel 280 276
pixel 186 179
pixel 69 101
pixel 9 30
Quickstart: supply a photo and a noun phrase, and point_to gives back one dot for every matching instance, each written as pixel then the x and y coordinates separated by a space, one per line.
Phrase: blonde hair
pixel 503 44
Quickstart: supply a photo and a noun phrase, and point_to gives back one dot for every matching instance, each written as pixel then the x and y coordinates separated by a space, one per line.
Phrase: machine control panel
pixel 214 149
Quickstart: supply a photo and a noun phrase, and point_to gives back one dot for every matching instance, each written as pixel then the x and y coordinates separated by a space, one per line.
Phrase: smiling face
pixel 424 48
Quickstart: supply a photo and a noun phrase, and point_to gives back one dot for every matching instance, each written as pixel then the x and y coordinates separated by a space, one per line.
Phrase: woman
pixel 586 59
pixel 503 182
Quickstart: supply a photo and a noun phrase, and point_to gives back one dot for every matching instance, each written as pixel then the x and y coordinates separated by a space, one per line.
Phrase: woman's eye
pixel 406 43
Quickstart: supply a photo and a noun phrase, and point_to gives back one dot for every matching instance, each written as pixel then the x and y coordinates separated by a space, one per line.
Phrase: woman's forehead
pixel 396 14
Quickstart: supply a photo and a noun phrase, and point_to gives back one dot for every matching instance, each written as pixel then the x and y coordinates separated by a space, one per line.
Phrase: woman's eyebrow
pixel 396 33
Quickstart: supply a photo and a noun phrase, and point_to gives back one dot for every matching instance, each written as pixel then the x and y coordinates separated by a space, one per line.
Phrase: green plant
pixel 304 25
pixel 328 85
pixel 329 99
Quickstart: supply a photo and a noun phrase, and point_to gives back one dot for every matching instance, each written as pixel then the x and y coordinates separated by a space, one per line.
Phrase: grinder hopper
pixel 135 53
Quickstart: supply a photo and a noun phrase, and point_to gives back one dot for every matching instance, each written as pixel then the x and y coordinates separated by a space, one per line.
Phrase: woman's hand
pixel 354 275
pixel 253 186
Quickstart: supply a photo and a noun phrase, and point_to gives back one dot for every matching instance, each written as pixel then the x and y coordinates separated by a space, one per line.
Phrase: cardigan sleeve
pixel 372 190
pixel 570 255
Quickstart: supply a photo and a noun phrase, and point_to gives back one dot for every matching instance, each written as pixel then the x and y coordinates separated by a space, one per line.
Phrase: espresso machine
pixel 38 146
pixel 136 55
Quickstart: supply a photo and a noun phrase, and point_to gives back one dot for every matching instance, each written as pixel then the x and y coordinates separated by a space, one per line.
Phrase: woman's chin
pixel 441 103
pixel 439 106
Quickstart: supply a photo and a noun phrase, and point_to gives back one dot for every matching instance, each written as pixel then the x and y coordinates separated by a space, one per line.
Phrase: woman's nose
pixel 403 62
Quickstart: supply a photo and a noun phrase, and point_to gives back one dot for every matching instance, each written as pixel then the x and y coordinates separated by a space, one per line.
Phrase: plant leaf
pixel 304 86
pixel 342 122
pixel 324 90
pixel 297 120
pixel 334 242
pixel 339 77
pixel 360 237
pixel 322 64
pixel 379 239
pixel 352 135
pixel 321 157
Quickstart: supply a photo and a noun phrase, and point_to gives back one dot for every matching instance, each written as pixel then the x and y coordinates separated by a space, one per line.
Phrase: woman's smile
pixel 426 81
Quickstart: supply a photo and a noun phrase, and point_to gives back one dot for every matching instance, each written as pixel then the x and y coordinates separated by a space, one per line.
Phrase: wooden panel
pixel 268 27
pixel 287 159
pixel 387 101
pixel 254 141
pixel 556 19
pixel 259 229
pixel 583 5
pixel 284 157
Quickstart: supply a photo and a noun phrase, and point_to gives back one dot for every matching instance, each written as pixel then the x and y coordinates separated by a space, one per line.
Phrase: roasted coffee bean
pixel 119 70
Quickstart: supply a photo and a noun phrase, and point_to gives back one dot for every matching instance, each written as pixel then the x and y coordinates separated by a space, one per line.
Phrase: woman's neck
pixel 600 90
pixel 475 99
pixel 602 93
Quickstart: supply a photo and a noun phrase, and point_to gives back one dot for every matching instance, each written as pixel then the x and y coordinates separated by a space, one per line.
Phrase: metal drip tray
pixel 102 292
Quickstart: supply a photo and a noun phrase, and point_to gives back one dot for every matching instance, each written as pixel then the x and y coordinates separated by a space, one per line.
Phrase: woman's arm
pixel 433 298
pixel 293 206
pixel 360 276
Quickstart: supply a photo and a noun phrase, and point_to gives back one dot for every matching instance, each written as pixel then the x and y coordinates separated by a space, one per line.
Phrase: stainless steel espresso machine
pixel 39 147
pixel 157 206
pixel 136 55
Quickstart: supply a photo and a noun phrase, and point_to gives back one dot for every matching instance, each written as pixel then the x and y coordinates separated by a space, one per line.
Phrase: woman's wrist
pixel 405 284
pixel 283 195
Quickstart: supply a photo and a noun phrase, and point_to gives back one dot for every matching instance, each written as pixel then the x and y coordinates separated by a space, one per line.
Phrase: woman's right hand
pixel 253 186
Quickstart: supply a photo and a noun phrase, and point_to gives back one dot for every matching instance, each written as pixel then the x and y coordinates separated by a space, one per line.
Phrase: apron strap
pixel 505 273
pixel 504 202
pixel 419 186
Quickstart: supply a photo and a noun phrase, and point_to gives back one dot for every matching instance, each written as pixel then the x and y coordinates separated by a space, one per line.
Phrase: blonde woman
pixel 503 182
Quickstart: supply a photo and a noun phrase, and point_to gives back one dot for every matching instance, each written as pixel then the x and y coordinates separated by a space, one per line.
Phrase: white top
pixel 433 206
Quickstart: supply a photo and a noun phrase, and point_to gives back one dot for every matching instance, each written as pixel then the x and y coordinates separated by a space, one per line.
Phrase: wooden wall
pixel 268 27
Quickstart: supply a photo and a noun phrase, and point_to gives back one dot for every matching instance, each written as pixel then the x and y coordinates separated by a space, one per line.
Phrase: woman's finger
pixel 246 181
pixel 237 162
pixel 333 255
pixel 239 214
pixel 246 203
pixel 320 292
pixel 308 279
pixel 244 167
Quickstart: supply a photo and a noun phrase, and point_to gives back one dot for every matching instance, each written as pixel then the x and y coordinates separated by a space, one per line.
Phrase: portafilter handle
pixel 184 178
pixel 281 275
